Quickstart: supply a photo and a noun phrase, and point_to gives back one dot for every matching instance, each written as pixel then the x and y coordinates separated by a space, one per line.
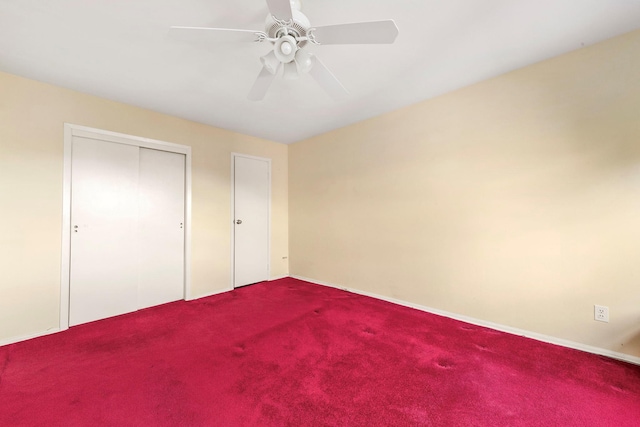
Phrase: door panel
pixel 103 276
pixel 251 225
pixel 161 227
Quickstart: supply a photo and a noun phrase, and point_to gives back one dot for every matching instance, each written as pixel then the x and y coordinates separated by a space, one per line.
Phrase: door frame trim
pixel 70 131
pixel 233 214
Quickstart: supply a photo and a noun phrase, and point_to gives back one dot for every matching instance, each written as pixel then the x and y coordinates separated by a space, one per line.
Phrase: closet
pixel 127 226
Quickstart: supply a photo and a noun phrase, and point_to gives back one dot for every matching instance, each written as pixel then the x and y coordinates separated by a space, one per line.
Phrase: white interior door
pixel 252 183
pixel 103 271
pixel 161 227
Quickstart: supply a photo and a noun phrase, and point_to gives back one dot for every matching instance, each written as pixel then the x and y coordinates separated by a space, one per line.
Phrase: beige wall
pixel 32 115
pixel 514 201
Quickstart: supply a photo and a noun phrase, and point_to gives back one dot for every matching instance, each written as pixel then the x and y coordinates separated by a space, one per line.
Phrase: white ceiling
pixel 120 50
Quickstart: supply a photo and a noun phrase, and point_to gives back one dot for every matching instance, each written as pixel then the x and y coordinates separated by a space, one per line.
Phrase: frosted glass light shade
pixel 290 71
pixel 285 48
pixel 304 60
pixel 270 62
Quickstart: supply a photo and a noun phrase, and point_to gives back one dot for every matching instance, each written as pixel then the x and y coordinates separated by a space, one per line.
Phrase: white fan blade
pixel 327 80
pixel 281 9
pixel 204 35
pixel 377 32
pixel 262 84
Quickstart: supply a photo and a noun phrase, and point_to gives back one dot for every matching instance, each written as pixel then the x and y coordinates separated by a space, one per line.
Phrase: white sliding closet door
pixel 161 227
pixel 104 271
pixel 127 229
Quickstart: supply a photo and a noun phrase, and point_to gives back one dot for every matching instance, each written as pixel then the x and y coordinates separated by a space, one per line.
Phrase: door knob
pixel 238 221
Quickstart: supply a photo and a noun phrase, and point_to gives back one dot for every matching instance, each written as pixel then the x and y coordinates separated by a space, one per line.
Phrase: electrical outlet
pixel 601 313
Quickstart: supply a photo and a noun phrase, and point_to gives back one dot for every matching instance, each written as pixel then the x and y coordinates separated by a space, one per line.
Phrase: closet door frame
pixel 71 131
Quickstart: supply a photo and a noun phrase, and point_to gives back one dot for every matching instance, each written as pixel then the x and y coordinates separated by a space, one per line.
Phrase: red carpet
pixel 289 353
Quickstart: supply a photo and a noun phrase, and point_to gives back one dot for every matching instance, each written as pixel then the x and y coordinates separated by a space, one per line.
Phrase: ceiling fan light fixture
pixel 304 60
pixel 285 49
pixel 296 4
pixel 270 62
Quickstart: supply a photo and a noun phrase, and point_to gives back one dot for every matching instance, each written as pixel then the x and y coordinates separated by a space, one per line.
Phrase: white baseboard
pixel 230 288
pixel 210 294
pixel 56 330
pixel 221 291
pixel 28 337
pixel 515 331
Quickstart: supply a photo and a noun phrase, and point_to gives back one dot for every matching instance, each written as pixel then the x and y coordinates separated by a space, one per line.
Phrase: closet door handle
pixel 238 221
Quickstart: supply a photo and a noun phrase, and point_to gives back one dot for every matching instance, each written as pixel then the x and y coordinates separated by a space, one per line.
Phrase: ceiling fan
pixel 289 31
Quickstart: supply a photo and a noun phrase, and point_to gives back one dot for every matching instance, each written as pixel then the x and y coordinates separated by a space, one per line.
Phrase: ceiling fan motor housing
pixel 297 28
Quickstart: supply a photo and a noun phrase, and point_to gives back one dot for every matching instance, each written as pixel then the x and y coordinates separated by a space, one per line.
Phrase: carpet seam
pixel 279 325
